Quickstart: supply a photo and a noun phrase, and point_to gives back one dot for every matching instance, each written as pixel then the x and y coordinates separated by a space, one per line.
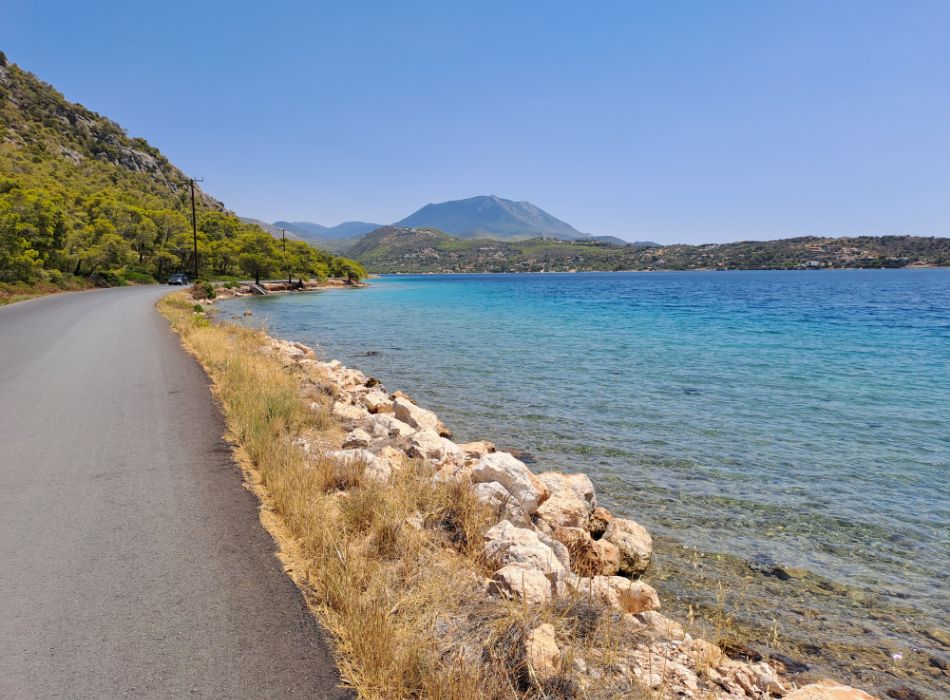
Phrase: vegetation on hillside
pixel 394 249
pixel 81 202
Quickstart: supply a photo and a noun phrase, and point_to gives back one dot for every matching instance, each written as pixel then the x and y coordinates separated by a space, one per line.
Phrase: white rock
pixel 496 497
pixel 617 592
pixel 387 425
pixel 522 582
pixel 502 467
pixel 349 415
pixel 542 652
pixel 374 467
pixel 356 438
pixel 428 444
pixel 828 690
pixel 377 401
pixel 506 544
pixel 634 543
pixel 572 499
pixel 478 449
pixel 418 418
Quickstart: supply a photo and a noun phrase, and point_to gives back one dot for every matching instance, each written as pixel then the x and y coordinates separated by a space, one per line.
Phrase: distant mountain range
pixel 489 217
pixel 400 249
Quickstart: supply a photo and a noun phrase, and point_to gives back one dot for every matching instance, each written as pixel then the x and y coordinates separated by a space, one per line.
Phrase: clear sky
pixel 678 121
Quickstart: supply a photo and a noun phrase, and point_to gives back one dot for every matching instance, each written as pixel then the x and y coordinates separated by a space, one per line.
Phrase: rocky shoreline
pixel 550 544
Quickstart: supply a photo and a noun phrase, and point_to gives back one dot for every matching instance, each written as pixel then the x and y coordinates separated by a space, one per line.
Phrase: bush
pixel 109 278
pixel 203 290
pixel 139 277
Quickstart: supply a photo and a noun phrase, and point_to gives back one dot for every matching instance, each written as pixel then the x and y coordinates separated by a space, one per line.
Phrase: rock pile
pixel 551 542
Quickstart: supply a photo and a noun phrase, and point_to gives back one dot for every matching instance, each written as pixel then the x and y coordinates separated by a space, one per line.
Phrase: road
pixel 132 559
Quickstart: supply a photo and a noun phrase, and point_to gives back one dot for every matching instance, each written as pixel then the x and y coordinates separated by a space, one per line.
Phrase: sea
pixel 785 435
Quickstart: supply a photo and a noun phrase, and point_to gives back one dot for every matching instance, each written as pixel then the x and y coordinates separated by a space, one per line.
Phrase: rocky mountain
pixel 400 249
pixel 309 230
pixel 490 217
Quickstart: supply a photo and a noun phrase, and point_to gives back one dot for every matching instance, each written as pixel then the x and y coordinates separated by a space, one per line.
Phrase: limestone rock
pixel 634 543
pixel 496 497
pixel 597 524
pixel 349 415
pixel 828 690
pixel 527 489
pixel 377 402
pixel 427 444
pixel 356 439
pixel 589 557
pixel 477 449
pixel 374 467
pixel 542 652
pixel 418 418
pixel 521 581
pixel 387 425
pixel 506 544
pixel 617 592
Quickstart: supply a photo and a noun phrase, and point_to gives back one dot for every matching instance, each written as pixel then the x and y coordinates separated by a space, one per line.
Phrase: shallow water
pixel 779 419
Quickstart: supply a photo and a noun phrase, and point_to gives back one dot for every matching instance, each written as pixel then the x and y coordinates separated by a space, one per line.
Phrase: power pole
pixel 283 240
pixel 194 223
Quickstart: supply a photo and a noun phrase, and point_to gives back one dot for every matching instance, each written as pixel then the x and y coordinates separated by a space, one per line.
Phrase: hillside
pixel 398 249
pixel 490 217
pixel 82 202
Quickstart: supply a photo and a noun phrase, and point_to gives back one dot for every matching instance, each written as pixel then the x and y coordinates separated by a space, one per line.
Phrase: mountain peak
pixel 490 216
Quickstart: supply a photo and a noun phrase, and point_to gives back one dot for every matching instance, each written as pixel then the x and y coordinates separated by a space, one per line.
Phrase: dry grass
pixel 394 572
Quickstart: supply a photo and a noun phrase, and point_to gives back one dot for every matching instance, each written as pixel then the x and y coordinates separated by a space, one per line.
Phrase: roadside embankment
pixel 448 570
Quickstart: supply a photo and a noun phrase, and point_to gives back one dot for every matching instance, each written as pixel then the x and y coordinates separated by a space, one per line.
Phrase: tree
pixel 258 254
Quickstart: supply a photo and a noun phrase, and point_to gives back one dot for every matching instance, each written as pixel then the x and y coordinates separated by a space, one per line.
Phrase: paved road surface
pixel 132 560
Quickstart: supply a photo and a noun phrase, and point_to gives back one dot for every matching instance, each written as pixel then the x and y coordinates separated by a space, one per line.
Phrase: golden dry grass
pixel 393 571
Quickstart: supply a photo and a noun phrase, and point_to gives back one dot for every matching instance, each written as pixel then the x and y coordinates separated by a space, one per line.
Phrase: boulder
pixel 634 543
pixel 477 449
pixel 522 582
pixel 496 497
pixel 374 467
pixel 577 486
pixel 356 439
pixel 349 415
pixel 828 690
pixel 506 544
pixel 665 628
pixel 589 557
pixel 387 425
pixel 527 489
pixel 429 445
pixel 377 402
pixel 418 418
pixel 617 592
pixel 560 551
pixel 542 653
pixel 598 521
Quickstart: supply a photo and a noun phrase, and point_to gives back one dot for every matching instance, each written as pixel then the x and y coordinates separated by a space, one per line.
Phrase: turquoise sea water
pixel 796 419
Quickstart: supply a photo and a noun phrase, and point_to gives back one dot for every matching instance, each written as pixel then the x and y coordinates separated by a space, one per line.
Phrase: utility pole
pixel 283 240
pixel 194 223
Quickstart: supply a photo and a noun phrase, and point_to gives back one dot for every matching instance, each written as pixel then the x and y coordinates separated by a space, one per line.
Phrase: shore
pixel 544 545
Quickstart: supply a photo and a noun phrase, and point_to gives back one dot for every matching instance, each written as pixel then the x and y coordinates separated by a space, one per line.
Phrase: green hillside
pixel 395 249
pixel 83 203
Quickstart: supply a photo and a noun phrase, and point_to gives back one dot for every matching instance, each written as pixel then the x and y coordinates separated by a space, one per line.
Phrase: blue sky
pixel 672 121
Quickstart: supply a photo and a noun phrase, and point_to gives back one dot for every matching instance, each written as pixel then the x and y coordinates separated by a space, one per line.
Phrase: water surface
pixel 758 423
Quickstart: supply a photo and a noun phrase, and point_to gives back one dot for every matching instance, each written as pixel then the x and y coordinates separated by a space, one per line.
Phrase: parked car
pixel 178 279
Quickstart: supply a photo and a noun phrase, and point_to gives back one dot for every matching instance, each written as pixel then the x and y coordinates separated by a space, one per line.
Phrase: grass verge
pixel 393 570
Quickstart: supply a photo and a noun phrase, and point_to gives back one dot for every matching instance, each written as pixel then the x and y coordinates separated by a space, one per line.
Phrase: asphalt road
pixel 132 560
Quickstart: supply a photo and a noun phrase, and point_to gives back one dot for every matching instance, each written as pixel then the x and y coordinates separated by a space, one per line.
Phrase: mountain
pixel 82 202
pixel 490 217
pixel 308 230
pixel 405 250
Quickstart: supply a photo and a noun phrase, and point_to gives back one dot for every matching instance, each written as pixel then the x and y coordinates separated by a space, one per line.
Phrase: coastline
pixel 552 514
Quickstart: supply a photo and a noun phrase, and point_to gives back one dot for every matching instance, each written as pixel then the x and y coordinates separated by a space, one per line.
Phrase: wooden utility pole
pixel 283 240
pixel 194 224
